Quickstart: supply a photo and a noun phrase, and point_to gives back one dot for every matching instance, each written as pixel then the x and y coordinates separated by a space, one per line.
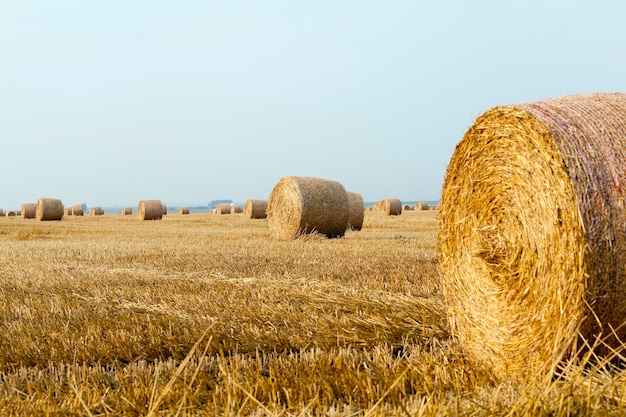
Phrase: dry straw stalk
pixel 304 205
pixel 150 210
pixel 255 209
pixel 49 209
pixel 532 242
pixel 357 211
pixel 29 210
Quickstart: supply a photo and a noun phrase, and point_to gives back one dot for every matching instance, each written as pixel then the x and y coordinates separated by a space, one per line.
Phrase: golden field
pixel 205 314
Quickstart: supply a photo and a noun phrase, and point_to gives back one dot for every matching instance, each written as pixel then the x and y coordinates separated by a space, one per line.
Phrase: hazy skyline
pixel 108 103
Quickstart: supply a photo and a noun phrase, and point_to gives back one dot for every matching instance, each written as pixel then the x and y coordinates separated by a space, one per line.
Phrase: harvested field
pixel 208 315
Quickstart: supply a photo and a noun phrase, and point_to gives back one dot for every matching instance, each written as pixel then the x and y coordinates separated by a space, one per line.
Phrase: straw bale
pixel 11 213
pixel 305 205
pixel 67 211
pixel 235 209
pixel 96 211
pixel 77 210
pixel 422 205
pixel 49 209
pixel 223 208
pixel 29 210
pixel 389 206
pixel 150 210
pixel 255 209
pixel 127 211
pixel 183 210
pixel 408 207
pixel 356 211
pixel 531 246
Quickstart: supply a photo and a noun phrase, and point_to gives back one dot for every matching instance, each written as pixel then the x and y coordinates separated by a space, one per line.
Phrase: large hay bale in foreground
pixel 356 211
pixel 49 209
pixel 255 209
pixel 304 205
pixel 532 242
pixel 389 206
pixel 150 210
pixel 29 210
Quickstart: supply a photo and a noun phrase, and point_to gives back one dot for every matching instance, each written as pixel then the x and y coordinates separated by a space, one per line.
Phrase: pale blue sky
pixel 112 102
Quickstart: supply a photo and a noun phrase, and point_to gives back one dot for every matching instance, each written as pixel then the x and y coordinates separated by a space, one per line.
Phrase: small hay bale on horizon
pixel 11 213
pixel 127 211
pixel 77 210
pixel 356 211
pixel 96 211
pixel 422 205
pixel 255 209
pixel 408 207
pixel 49 209
pixel 29 210
pixel 222 208
pixel 532 251
pixel 150 210
pixel 183 210
pixel 305 205
pixel 389 206
pixel 235 209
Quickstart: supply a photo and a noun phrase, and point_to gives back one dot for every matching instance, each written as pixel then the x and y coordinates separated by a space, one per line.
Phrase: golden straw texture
pixel 357 211
pixel 532 242
pixel 304 205
pixel 389 206
pixel 49 209
pixel 150 210
pixel 255 209
pixel 29 210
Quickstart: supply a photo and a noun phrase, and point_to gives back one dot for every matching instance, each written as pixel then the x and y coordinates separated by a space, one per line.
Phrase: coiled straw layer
pixel 532 242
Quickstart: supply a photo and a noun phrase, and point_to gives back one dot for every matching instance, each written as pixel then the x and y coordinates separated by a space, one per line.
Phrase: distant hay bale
pixel 304 205
pixel 389 206
pixel 11 213
pixel 77 210
pixel 150 210
pixel 255 209
pixel 356 211
pixel 408 207
pixel 127 211
pixel 532 242
pixel 96 211
pixel 29 210
pixel 67 211
pixel 183 210
pixel 223 208
pixel 422 205
pixel 49 209
pixel 235 209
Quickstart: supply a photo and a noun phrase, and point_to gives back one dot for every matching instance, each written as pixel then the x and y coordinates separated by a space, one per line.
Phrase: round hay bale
pixel 255 209
pixel 183 210
pixel 356 211
pixel 389 206
pixel 531 246
pixel 29 210
pixel 127 211
pixel 305 205
pixel 150 210
pixel 77 210
pixel 11 213
pixel 422 205
pixel 49 209
pixel 96 211
pixel 235 209
pixel 223 208
pixel 407 207
pixel 67 211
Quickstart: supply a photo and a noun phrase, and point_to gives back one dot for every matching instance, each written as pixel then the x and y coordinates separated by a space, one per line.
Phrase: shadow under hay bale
pixel 255 209
pixel 49 209
pixel 532 242
pixel 305 205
